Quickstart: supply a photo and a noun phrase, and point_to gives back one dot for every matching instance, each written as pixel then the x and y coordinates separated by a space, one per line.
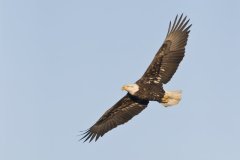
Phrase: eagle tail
pixel 171 98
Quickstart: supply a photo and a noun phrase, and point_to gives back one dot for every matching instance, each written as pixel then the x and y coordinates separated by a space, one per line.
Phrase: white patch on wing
pixel 156 81
pixel 162 69
pixel 161 53
pixel 132 105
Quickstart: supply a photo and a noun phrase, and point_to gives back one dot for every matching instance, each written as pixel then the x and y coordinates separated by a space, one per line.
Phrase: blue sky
pixel 62 64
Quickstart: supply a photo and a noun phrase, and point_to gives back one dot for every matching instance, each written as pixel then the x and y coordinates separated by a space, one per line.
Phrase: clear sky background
pixel 62 64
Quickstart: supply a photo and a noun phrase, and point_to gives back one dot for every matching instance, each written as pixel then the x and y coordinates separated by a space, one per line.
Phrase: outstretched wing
pixel 124 110
pixel 171 53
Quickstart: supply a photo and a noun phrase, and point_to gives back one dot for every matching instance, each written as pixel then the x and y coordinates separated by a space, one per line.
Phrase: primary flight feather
pixel 150 86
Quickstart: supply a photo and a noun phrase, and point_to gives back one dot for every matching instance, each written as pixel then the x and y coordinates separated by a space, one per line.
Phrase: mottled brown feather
pixel 124 110
pixel 171 53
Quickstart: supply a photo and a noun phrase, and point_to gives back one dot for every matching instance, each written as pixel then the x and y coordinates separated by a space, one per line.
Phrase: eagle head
pixel 131 88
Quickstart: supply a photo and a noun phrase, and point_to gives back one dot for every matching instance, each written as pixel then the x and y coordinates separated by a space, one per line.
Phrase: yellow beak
pixel 123 88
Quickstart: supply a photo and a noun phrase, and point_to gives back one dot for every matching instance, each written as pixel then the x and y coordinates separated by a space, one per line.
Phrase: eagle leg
pixel 165 98
pixel 171 98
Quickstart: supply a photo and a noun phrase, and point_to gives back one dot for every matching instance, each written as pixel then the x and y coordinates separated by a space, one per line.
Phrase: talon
pixel 171 98
pixel 165 99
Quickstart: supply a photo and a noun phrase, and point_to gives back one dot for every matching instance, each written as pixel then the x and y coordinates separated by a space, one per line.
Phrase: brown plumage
pixel 120 113
pixel 149 86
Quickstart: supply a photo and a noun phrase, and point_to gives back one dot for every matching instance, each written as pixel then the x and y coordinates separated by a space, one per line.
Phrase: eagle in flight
pixel 150 86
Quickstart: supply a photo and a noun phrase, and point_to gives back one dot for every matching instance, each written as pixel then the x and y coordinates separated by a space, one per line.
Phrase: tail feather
pixel 172 97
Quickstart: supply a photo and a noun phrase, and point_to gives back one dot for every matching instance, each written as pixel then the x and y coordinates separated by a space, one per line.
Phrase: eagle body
pixel 150 92
pixel 150 86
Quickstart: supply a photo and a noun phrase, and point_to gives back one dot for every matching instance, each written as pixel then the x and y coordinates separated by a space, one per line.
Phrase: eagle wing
pixel 124 110
pixel 171 53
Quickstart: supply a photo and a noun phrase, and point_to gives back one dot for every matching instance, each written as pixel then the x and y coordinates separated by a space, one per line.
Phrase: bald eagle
pixel 150 86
